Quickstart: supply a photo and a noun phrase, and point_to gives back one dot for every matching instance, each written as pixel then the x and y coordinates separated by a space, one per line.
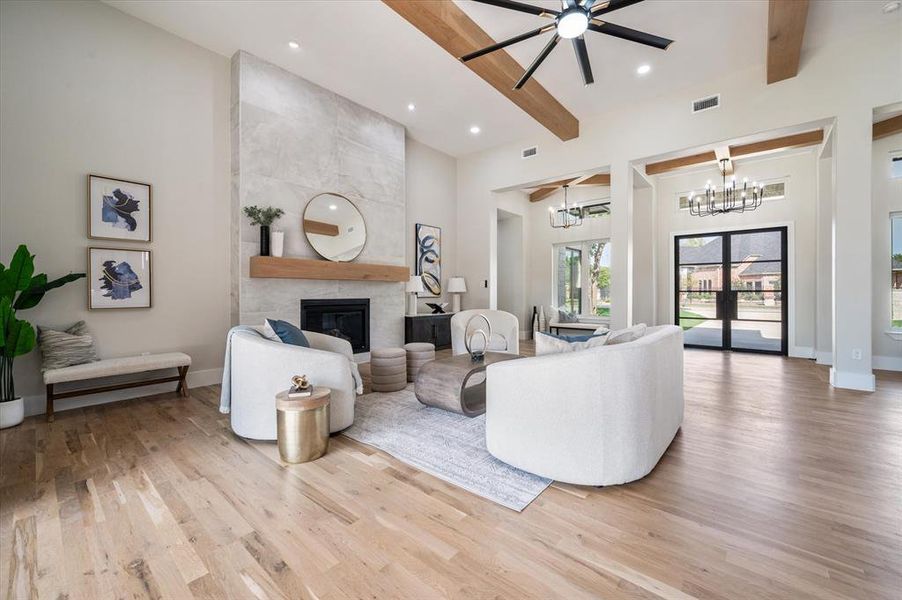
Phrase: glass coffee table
pixel 443 383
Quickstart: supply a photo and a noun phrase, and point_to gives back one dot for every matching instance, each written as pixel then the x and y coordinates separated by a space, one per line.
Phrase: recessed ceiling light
pixel 891 6
pixel 475 129
pixel 293 45
pixel 411 107
pixel 333 207
pixel 643 69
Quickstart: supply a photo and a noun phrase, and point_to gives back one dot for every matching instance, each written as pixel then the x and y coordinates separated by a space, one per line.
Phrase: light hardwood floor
pixel 776 487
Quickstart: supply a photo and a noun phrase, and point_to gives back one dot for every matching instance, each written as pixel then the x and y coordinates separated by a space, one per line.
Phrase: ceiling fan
pixel 571 22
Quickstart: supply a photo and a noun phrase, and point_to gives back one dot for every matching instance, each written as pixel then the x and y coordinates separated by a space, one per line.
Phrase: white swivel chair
pixel 505 330
pixel 261 368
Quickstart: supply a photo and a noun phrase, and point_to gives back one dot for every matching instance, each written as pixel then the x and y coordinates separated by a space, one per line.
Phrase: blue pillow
pixel 288 333
pixel 575 338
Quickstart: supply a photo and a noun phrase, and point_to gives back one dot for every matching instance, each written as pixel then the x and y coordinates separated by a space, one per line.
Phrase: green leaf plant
pixel 20 289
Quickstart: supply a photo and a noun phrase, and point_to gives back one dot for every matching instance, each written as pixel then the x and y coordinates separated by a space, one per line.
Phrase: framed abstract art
pixel 118 209
pixel 119 278
pixel 429 259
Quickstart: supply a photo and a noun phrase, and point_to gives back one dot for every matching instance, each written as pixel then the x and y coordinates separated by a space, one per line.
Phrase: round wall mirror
pixel 334 227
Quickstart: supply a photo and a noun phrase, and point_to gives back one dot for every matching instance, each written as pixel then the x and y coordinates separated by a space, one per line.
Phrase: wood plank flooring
pixel 777 486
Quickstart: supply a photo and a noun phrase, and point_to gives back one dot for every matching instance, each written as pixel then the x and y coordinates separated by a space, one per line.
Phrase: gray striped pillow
pixel 66 348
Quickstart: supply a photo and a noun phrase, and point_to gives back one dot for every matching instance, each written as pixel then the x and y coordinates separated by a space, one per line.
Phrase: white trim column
pixel 621 245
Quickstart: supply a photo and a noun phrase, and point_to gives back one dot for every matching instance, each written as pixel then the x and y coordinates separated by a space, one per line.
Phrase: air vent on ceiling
pixel 706 103
pixel 529 152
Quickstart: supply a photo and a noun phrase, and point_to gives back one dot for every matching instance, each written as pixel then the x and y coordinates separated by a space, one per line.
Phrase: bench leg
pixel 50 403
pixel 182 387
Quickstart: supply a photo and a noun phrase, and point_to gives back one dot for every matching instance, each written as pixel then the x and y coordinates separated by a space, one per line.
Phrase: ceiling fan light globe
pixel 572 23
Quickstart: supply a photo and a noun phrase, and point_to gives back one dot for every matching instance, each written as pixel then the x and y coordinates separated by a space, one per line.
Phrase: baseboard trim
pixel 865 382
pixel 36 404
pixel 887 363
pixel 825 357
pixel 802 352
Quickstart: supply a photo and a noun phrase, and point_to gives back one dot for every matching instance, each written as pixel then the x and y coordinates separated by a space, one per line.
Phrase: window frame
pixel 896 328
pixel 584 301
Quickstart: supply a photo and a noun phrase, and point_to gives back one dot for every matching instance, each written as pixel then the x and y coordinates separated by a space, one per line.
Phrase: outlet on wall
pixel 856 354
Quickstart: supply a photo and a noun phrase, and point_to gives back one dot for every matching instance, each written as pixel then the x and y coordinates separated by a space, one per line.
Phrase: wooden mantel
pixel 305 268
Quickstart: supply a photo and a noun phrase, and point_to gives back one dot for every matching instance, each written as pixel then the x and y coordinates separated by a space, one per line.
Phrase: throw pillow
pixel 601 330
pixel 565 316
pixel 66 348
pixel 551 344
pixel 287 333
pixel 630 334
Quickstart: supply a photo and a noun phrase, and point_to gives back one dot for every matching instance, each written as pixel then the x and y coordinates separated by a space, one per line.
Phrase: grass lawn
pixel 603 311
pixel 897 324
pixel 689 319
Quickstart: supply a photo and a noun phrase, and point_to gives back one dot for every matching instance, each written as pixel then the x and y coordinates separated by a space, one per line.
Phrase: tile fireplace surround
pixel 291 140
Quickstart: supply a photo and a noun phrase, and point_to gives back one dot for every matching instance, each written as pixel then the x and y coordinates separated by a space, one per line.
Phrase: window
pixel 896 269
pixel 588 211
pixel 773 190
pixel 895 166
pixel 582 277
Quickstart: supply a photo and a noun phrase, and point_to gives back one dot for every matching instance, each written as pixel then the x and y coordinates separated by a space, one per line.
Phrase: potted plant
pixel 20 289
pixel 264 217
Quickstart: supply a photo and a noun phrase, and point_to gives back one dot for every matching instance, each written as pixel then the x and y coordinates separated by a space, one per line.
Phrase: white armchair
pixel 503 324
pixel 260 368
pixel 602 416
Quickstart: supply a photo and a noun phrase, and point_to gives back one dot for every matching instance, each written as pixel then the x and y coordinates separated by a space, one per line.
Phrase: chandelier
pixel 566 216
pixel 733 199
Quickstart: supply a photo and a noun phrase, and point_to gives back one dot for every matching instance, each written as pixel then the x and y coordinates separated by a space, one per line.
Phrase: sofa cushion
pixel 551 344
pixel 624 336
pixel 61 349
pixel 286 332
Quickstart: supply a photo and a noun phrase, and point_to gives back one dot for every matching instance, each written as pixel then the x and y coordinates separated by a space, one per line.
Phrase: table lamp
pixel 456 287
pixel 414 287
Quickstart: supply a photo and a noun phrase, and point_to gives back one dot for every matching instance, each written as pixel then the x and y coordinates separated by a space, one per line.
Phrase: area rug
pixel 444 444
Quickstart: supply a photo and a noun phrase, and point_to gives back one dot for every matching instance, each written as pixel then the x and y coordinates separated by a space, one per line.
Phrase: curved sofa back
pixel 594 417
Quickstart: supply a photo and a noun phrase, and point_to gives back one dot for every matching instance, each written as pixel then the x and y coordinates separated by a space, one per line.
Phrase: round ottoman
pixel 418 354
pixel 388 369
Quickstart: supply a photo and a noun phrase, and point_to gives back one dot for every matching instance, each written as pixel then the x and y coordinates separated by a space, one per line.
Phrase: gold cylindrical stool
pixel 303 425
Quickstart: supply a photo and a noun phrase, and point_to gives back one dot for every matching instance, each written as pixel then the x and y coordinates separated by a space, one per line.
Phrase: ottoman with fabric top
pixel 418 354
pixel 388 369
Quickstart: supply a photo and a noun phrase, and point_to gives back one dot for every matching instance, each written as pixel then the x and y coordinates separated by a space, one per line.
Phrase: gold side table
pixel 303 425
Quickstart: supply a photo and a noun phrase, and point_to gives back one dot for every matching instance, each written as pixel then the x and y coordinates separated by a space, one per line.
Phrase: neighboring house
pixel 757 269
pixel 897 274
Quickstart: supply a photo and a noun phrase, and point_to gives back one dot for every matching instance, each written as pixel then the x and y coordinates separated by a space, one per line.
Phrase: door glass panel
pixel 702 249
pixel 755 335
pixel 756 246
pixel 759 300
pixel 701 278
pixel 698 318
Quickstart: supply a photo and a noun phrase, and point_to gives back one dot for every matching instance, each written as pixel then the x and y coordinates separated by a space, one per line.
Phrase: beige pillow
pixel 624 336
pixel 66 348
pixel 549 344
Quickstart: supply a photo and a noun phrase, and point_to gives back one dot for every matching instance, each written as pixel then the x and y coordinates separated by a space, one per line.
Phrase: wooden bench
pixel 554 325
pixel 112 367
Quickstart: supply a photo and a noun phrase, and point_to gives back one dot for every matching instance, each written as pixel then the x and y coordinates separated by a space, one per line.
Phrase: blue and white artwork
pixel 119 209
pixel 119 278
pixel 429 259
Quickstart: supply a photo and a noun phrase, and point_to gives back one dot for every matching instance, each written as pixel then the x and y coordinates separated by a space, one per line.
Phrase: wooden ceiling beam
pixel 448 26
pixel 785 31
pixel 542 193
pixel 798 140
pixel 678 163
pixel 597 179
pixel 887 127
pixel 554 184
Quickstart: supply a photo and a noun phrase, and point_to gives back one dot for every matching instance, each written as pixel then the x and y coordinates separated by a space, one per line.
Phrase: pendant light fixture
pixel 733 199
pixel 565 216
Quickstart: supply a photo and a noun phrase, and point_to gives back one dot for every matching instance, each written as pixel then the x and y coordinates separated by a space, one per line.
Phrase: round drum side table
pixel 303 425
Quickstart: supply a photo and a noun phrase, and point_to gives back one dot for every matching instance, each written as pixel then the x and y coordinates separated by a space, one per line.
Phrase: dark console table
pixel 435 329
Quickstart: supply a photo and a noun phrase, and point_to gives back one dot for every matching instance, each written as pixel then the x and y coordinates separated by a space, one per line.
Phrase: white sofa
pixel 503 324
pixel 602 416
pixel 260 368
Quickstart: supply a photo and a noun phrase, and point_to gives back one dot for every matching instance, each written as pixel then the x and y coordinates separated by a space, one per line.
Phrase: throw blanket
pixel 225 396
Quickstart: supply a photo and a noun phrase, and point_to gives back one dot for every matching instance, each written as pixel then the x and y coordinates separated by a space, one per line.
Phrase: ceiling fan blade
pixel 582 57
pixel 538 61
pixel 506 43
pixel 625 33
pixel 601 7
pixel 519 6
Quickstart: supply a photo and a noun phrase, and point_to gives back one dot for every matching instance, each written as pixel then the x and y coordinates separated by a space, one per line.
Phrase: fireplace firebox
pixel 346 319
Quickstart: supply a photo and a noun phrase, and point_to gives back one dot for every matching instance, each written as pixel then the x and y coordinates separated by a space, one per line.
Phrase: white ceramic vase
pixel 542 319
pixel 277 243
pixel 12 413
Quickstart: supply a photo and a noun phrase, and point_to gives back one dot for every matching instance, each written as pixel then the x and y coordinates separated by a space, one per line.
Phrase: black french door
pixel 731 290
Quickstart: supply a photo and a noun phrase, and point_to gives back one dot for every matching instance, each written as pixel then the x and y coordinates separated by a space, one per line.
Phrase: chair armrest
pixel 328 343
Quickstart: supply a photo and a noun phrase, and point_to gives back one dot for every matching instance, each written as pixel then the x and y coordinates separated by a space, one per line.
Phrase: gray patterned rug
pixel 444 444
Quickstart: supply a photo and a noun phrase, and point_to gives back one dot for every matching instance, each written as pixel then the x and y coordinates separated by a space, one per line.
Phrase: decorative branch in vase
pixel 20 289
pixel 264 217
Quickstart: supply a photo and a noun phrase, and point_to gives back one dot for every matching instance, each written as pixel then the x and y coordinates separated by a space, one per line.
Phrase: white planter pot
pixel 12 413
pixel 277 243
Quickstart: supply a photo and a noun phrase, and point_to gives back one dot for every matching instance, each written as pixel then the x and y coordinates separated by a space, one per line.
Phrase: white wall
pixel 432 200
pixel 887 195
pixel 797 211
pixel 86 89
pixel 831 84
pixel 511 267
